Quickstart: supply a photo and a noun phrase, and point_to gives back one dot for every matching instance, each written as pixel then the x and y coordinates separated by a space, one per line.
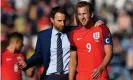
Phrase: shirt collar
pixel 55 31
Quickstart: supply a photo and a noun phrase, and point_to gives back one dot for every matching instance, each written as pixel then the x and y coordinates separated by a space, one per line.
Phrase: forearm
pixel 35 59
pixel 108 56
pixel 72 68
pixel 106 61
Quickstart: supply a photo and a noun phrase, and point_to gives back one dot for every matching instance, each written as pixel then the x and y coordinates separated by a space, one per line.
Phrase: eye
pixel 84 13
pixel 59 20
pixel 79 13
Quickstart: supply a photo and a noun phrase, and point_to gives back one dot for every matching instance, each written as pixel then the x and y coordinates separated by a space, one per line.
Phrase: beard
pixel 60 29
pixel 17 50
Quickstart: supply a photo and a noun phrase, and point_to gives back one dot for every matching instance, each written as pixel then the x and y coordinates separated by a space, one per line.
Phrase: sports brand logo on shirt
pixel 79 38
pixel 8 59
pixel 96 35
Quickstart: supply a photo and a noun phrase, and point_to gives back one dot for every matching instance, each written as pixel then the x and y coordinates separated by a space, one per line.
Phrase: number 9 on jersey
pixel 88 46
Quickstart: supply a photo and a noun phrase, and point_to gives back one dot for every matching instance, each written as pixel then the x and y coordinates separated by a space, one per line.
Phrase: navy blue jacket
pixel 42 51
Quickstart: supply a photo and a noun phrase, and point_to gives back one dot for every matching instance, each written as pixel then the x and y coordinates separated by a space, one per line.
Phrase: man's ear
pixel 13 41
pixel 17 41
pixel 92 15
pixel 52 20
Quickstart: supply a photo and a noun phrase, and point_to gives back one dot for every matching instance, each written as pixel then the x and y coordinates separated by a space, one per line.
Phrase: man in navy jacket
pixel 46 48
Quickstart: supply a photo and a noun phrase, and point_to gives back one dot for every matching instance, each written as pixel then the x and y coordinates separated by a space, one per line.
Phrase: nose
pixel 82 17
pixel 63 23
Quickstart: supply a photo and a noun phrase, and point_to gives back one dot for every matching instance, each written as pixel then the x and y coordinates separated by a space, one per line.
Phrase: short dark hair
pixel 83 4
pixel 57 9
pixel 15 35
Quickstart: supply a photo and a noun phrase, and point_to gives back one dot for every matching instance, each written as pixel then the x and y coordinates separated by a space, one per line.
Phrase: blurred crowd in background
pixel 32 16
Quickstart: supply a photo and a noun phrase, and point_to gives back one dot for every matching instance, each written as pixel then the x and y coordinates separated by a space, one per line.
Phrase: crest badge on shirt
pixel 15 68
pixel 96 36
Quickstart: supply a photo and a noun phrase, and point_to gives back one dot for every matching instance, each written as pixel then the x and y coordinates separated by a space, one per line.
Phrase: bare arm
pixel 108 55
pixel 108 46
pixel 108 51
pixel 72 65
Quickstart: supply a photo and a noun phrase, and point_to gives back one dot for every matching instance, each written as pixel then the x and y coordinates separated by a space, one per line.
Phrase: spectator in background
pixel 21 6
pixel 129 58
pixel 43 19
pixel 10 57
pixel 117 64
pixel 43 23
pixel 124 23
pixel 20 25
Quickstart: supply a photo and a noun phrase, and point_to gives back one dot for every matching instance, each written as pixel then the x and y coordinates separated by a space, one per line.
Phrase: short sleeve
pixel 72 44
pixel 21 56
pixel 106 35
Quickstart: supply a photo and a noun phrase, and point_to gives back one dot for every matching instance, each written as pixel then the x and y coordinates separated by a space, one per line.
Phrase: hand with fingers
pixel 21 63
pixel 97 72
pixel 98 23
